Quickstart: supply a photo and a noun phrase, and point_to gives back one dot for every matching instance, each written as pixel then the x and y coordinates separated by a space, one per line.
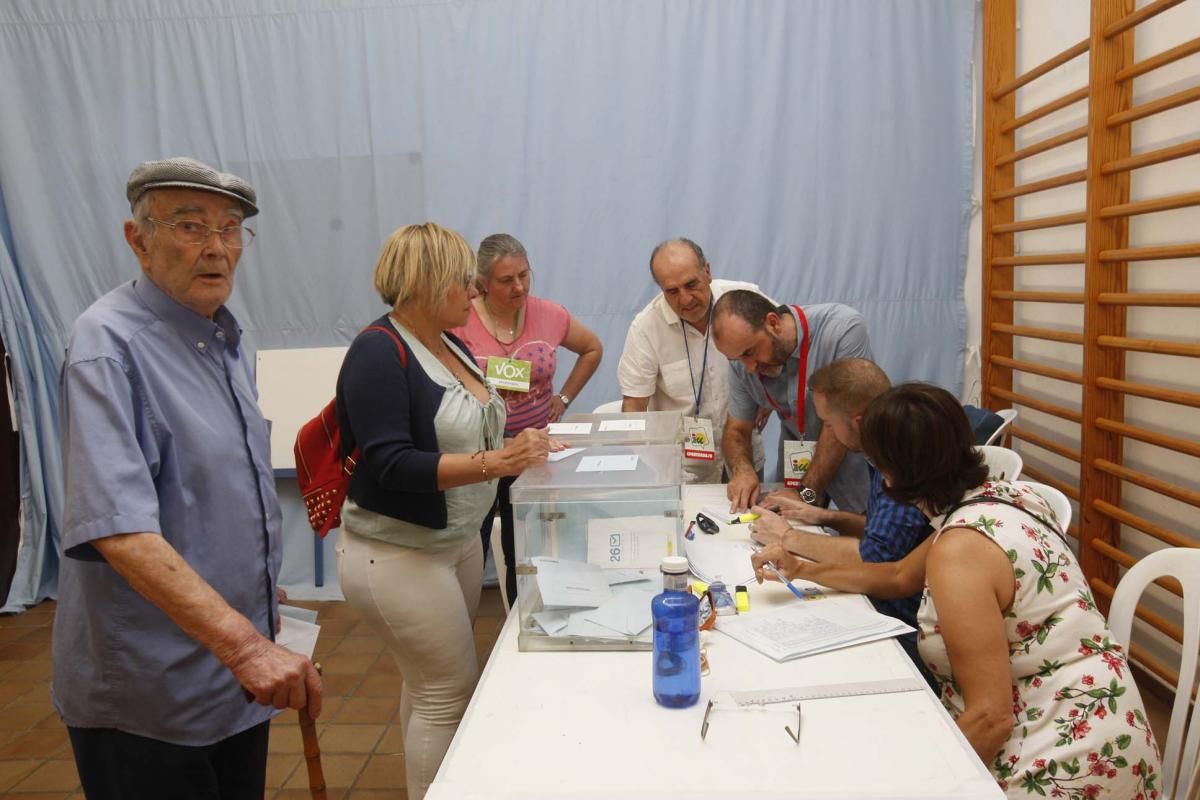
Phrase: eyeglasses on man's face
pixel 193 233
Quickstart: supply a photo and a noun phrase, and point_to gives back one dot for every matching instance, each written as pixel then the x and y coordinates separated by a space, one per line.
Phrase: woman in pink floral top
pixel 1025 661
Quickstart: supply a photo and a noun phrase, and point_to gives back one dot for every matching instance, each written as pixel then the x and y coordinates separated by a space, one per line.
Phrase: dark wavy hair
pixel 918 436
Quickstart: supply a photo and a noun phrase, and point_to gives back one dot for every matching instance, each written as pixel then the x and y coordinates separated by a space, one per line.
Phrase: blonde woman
pixel 431 435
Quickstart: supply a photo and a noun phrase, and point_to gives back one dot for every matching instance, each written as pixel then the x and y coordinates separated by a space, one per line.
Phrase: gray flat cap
pixel 188 173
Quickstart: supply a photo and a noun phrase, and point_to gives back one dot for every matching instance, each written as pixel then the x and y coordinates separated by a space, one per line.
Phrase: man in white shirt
pixel 669 362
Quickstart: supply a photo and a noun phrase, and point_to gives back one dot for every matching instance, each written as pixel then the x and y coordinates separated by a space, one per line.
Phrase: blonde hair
pixel 420 263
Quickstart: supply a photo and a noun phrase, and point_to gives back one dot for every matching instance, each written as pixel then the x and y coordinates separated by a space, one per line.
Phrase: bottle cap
pixel 674 565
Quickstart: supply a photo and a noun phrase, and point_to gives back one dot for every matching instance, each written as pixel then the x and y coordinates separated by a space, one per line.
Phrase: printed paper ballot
pixel 622 425
pixel 637 542
pixel 569 428
pixel 625 463
pixel 571 584
pixel 561 454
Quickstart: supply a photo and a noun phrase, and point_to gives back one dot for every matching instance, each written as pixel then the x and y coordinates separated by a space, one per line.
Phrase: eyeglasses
pixel 192 233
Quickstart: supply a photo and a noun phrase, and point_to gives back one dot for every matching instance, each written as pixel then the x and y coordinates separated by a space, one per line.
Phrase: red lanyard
pixel 801 379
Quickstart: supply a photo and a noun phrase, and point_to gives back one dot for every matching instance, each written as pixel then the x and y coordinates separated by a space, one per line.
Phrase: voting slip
pixel 804 629
pixel 571 584
pixel 714 558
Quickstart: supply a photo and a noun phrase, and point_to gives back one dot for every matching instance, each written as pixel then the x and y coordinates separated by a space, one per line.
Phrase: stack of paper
pixel 714 558
pixel 805 629
pixel 583 600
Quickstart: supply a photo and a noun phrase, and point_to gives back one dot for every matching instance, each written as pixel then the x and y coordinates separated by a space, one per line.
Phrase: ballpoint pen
pixel 803 594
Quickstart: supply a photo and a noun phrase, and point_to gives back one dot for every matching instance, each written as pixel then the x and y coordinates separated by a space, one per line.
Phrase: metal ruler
pixel 758 697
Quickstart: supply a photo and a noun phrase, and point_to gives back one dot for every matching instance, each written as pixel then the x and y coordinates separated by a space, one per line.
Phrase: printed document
pixel 571 584
pixel 804 629
pixel 637 542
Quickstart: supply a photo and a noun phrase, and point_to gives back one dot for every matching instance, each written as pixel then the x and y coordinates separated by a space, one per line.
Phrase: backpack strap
pixel 395 338
pixel 981 499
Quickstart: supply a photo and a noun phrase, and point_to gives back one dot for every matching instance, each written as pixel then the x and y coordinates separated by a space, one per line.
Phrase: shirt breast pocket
pixel 677 380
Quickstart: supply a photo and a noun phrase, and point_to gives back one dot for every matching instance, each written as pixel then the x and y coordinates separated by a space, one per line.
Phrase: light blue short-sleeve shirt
pixel 835 331
pixel 161 433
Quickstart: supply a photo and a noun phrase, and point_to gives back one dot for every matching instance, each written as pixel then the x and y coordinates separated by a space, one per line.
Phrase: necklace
pixel 496 329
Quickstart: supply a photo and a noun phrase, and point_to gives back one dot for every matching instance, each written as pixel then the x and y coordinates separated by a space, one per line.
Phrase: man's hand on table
pixel 742 489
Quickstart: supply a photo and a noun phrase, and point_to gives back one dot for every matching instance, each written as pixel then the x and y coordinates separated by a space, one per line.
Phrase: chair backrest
pixel 1003 464
pixel 1058 502
pixel 1009 415
pixel 611 407
pixel 1183 740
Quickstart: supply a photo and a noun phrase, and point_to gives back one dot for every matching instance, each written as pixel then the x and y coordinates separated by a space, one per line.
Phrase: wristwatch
pixel 808 495
pixel 566 399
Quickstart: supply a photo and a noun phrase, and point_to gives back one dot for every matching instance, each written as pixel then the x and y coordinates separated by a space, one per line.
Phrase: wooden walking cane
pixel 312 751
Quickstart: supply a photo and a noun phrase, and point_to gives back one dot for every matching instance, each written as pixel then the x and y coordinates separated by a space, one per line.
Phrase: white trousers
pixel 423 603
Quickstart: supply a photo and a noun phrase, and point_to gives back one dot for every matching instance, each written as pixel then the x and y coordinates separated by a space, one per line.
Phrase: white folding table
pixel 585 725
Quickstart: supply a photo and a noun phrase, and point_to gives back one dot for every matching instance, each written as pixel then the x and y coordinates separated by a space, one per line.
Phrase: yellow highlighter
pixel 749 516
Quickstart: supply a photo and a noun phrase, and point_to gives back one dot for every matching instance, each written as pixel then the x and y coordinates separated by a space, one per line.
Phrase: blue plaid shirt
pixel 893 531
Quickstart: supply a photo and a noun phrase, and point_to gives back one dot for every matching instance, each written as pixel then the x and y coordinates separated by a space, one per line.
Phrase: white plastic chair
pixel 1009 415
pixel 1059 503
pixel 1003 464
pixel 1183 739
pixel 611 407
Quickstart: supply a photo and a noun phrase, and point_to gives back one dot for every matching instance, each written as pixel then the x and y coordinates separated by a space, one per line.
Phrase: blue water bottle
pixel 676 614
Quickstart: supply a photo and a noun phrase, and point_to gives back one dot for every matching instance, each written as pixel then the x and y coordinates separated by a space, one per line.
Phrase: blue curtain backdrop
pixel 821 148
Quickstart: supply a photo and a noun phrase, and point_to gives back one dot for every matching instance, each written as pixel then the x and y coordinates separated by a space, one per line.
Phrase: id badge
pixel 797 458
pixel 509 373
pixel 698 441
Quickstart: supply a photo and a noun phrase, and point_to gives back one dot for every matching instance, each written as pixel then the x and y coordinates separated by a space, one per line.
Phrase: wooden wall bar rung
pixel 1072 135
pixel 1150 346
pixel 1039 297
pixel 1041 69
pixel 1146 482
pixel 1044 443
pixel 1149 437
pixel 1040 223
pixel 1048 108
pixel 1042 477
pixel 1162 59
pixel 1038 259
pixel 1157 299
pixel 1141 15
pixel 1038 369
pixel 1066 179
pixel 1152 157
pixel 1167 203
pixel 1164 535
pixel 1047 334
pixel 1151 253
pixel 1142 657
pixel 1062 412
pixel 1170 630
pixel 1153 392
pixel 1155 106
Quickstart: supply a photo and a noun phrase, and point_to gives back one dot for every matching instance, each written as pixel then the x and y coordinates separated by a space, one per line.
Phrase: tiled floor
pixel 361 749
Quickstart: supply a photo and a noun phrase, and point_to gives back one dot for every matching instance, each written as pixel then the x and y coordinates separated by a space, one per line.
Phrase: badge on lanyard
pixel 509 373
pixel 698 441
pixel 797 458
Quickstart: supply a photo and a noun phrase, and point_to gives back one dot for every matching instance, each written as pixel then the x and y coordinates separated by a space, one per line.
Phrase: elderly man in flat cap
pixel 166 672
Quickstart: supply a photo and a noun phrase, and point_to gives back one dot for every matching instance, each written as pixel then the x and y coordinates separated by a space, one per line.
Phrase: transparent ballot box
pixel 591 531
pixel 635 427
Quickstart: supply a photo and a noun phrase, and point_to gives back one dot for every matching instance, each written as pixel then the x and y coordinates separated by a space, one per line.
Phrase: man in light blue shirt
pixel 165 668
pixel 770 349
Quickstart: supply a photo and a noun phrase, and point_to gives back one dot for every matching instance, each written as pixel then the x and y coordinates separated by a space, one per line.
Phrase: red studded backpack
pixel 321 471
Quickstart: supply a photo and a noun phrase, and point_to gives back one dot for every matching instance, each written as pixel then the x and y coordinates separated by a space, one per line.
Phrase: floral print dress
pixel 1079 728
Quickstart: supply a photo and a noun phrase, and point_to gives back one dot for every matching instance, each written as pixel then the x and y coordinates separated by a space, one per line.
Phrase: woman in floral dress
pixel 1025 661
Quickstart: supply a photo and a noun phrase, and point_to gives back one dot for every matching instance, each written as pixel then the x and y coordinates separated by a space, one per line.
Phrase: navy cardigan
pixel 387 410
